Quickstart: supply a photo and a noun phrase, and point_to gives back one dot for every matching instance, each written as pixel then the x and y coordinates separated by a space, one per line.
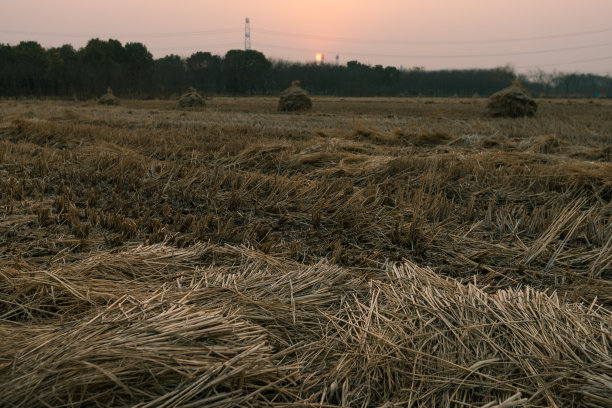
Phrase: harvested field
pixel 369 252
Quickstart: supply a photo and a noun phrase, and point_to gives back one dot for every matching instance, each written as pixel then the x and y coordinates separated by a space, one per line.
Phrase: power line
pixel 150 35
pixel 442 42
pixel 314 36
pixel 199 47
pixel 504 54
pixel 357 40
pixel 566 62
pixel 185 33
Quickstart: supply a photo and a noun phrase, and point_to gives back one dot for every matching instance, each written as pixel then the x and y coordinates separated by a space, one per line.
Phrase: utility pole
pixel 247 34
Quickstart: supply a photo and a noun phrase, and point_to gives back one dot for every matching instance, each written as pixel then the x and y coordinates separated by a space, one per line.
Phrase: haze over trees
pixel 28 69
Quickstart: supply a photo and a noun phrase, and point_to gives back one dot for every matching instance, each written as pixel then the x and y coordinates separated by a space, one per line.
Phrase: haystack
pixel 294 99
pixel 108 98
pixel 512 102
pixel 191 98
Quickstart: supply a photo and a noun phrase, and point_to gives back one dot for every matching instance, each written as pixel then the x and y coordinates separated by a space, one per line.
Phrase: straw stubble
pixel 151 256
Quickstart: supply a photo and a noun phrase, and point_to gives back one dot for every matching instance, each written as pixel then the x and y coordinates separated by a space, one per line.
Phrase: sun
pixel 319 58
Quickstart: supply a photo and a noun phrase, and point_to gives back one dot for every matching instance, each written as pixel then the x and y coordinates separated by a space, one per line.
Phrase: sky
pixel 528 35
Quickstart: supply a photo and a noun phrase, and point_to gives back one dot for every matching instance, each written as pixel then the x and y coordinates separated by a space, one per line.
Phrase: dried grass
pixel 374 136
pixel 294 99
pixel 157 258
pixel 215 326
pixel 430 138
pixel 595 154
pixel 512 102
pixel 108 98
pixel 547 144
pixel 191 99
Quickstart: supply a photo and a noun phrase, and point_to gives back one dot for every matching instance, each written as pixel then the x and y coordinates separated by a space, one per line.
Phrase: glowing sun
pixel 319 57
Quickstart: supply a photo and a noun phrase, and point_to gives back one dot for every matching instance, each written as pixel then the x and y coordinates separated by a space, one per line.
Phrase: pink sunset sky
pixel 552 35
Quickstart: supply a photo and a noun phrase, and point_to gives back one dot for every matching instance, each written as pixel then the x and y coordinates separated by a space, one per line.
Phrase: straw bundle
pixel 513 102
pixel 191 99
pixel 294 99
pixel 108 98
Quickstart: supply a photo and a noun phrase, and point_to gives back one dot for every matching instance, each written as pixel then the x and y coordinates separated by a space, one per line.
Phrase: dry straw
pixel 335 262
pixel 191 99
pixel 215 326
pixel 513 101
pixel 108 98
pixel 294 99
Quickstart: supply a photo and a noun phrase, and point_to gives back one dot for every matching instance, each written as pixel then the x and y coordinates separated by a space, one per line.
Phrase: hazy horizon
pixel 437 34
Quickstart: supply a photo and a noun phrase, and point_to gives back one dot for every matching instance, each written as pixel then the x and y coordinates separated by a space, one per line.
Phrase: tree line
pixel 28 69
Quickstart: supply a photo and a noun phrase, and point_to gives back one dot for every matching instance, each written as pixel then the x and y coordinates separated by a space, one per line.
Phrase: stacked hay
pixel 512 102
pixel 294 99
pixel 108 98
pixel 191 98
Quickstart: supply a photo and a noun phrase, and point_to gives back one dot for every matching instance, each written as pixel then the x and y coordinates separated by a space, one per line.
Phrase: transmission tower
pixel 247 34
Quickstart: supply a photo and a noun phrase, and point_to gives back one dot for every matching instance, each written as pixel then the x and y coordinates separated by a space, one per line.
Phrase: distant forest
pixel 28 69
